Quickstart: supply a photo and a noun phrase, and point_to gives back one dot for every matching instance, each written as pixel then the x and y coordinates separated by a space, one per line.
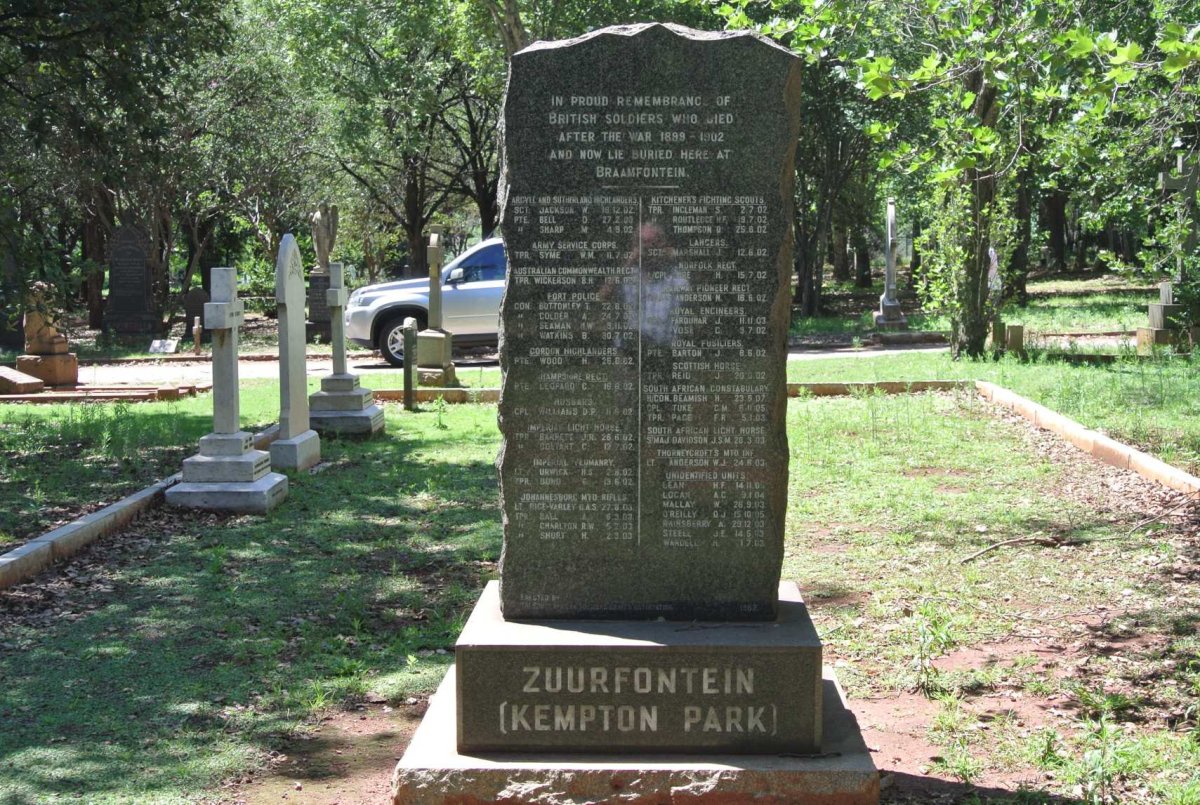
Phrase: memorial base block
pixel 437 378
pixel 298 453
pixel 257 497
pixel 53 370
pixel 432 769
pixel 366 422
pixel 639 686
pixel 1148 338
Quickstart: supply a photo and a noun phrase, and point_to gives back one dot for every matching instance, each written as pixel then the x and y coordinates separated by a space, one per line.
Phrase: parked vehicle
pixel 472 285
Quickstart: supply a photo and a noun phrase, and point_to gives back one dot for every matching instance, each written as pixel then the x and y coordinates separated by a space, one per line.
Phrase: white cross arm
pixel 335 297
pixel 223 315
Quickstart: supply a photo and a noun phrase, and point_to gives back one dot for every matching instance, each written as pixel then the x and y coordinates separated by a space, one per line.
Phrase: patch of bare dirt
pixel 347 759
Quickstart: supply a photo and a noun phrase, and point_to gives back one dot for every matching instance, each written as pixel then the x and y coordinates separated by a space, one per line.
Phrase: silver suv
pixel 472 285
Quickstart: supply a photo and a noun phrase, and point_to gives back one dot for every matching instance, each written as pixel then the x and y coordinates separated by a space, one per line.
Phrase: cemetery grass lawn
pixel 1060 670
pixel 1152 405
pixel 173 660
pixel 1097 304
pixel 59 462
pixel 177 661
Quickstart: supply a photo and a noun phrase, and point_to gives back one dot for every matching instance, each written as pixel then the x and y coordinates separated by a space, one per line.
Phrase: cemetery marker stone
pixel 647 201
pixel 47 355
pixel 298 446
pixel 129 308
pixel 647 218
pixel 342 406
pixel 324 233
pixel 227 474
pixel 890 316
pixel 1166 316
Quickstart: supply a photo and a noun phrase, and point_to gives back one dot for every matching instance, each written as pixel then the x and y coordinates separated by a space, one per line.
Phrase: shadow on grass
pixel 913 788
pixel 195 658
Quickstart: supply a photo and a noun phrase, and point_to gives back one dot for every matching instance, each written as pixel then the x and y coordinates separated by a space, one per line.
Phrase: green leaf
pixel 1121 75
pixel 1126 53
pixel 968 98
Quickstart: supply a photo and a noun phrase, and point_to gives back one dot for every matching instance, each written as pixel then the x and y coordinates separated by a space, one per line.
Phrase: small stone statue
pixel 324 232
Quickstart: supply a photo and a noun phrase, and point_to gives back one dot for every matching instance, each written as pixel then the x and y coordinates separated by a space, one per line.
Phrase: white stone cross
pixel 1186 181
pixel 434 254
pixel 889 286
pixel 223 315
pixel 335 299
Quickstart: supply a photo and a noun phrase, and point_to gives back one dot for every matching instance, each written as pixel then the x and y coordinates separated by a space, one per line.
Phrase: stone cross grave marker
pixel 1165 313
pixel 227 473
pixel 130 308
pixel 435 343
pixel 889 314
pixel 342 406
pixel 298 446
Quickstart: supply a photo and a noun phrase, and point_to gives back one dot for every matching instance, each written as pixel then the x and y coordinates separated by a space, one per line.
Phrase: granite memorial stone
pixel 647 203
pixel 47 355
pixel 130 308
pixel 890 316
pixel 647 218
pixel 193 306
pixel 324 234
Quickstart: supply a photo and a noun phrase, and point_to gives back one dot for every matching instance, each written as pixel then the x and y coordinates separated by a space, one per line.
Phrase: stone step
pixel 14 382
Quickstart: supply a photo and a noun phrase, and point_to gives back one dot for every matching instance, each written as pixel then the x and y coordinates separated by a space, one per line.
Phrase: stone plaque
pixel 129 308
pixel 647 206
pixel 644 686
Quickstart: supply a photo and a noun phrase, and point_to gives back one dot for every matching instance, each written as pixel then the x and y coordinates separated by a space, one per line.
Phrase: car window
pixel 485 265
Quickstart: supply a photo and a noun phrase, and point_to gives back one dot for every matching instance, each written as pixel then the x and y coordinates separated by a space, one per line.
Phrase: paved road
pixel 168 373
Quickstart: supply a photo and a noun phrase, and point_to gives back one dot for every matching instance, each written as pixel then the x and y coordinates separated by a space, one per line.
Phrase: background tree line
pixel 1025 130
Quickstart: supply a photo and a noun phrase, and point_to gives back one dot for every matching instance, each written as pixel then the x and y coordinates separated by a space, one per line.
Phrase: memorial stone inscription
pixel 129 308
pixel 647 207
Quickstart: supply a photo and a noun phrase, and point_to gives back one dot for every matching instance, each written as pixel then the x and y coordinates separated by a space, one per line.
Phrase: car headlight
pixel 355 298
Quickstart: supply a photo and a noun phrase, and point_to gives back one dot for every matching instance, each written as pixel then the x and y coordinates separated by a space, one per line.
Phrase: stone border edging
pixel 31 558
pixel 1102 447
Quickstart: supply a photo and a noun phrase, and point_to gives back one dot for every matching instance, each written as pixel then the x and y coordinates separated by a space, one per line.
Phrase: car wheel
pixel 391 339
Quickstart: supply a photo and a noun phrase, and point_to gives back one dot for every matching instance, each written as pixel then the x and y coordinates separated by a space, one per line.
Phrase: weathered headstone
pixel 193 306
pixel 890 316
pixel 647 202
pixel 324 233
pixel 130 307
pixel 227 474
pixel 164 346
pixel 435 344
pixel 47 354
pixel 342 406
pixel 298 446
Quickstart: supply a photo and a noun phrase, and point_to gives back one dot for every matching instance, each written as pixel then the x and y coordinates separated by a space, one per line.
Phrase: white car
pixel 472 285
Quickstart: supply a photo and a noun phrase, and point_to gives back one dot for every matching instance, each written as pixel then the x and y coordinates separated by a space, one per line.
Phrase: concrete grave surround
pixel 298 446
pixel 639 645
pixel 227 474
pixel 342 407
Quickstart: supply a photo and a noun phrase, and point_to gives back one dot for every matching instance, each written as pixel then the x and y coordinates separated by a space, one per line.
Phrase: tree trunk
pixel 914 265
pixel 1055 208
pixel 93 247
pixel 1017 274
pixel 969 323
pixel 862 257
pixel 841 254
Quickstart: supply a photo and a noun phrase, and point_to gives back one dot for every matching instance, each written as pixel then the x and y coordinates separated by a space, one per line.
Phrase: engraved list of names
pixel 647 206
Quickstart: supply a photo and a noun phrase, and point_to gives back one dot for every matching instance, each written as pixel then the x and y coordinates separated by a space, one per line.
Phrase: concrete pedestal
pixel 1148 338
pixel 648 686
pixel 256 497
pixel 432 770
pixel 434 367
pixel 298 453
pixel 890 316
pixel 61 369
pixel 1166 317
pixel 344 408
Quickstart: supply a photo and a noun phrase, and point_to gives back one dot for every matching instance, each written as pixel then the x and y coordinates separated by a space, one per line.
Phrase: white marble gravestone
pixel 342 406
pixel 227 474
pixel 298 446
pixel 889 315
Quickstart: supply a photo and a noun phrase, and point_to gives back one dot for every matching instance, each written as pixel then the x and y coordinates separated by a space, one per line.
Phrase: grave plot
pixel 247 652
